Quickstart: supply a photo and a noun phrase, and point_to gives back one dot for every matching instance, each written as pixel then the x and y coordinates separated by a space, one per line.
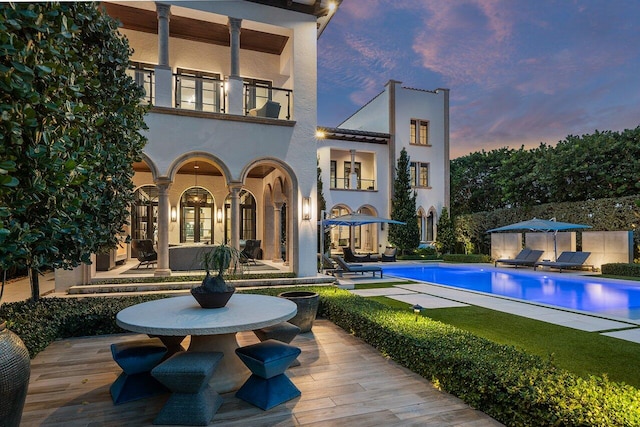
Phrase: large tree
pixel 403 208
pixel 70 132
pixel 322 207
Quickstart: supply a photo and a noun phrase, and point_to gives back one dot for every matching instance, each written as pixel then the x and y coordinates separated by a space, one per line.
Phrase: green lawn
pixel 577 351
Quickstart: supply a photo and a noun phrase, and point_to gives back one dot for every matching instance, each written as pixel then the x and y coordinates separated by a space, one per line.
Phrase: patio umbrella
pixel 545 225
pixel 351 220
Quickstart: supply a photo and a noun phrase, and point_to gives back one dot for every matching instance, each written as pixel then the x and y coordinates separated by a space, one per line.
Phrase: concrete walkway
pixel 19 289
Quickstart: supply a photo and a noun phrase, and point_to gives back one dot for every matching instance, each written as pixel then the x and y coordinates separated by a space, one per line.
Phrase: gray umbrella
pixel 545 225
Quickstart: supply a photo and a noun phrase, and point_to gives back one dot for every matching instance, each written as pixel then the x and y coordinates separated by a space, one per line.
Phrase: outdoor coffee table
pixel 211 329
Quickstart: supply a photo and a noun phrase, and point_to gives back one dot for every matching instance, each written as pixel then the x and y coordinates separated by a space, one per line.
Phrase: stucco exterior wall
pixel 608 247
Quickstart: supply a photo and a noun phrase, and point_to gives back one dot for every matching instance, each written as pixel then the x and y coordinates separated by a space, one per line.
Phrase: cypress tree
pixel 403 208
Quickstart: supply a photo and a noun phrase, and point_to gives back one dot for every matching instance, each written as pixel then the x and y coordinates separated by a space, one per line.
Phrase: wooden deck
pixel 343 382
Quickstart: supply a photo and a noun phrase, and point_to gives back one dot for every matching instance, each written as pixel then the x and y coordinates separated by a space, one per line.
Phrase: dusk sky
pixel 520 72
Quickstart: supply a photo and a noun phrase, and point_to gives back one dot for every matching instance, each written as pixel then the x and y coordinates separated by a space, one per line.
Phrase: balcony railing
pixel 363 184
pixel 257 95
pixel 145 79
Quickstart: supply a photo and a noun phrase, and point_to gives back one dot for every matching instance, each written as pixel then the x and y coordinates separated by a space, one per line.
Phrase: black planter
pixel 211 299
pixel 15 368
pixel 307 303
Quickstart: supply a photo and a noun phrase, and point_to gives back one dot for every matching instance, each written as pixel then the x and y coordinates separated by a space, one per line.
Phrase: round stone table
pixel 211 329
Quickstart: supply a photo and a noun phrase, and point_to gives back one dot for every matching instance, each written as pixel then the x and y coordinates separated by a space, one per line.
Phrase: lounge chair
pixel 389 255
pixel 349 256
pixel 346 267
pixel 567 260
pixel 527 257
pixel 328 265
pixel 270 109
pixel 251 251
pixel 146 254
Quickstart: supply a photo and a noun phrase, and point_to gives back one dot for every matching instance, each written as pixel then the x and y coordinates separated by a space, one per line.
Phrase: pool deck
pixel 430 295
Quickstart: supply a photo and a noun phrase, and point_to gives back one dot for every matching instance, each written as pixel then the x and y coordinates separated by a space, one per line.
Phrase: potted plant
pixel 214 291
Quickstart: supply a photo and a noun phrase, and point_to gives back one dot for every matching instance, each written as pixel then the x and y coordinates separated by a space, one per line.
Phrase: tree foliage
pixel 69 134
pixel 322 207
pixel 446 238
pixel 403 208
pixel 600 165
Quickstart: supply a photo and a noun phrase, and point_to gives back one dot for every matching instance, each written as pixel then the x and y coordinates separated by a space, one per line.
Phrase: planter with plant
pixel 214 291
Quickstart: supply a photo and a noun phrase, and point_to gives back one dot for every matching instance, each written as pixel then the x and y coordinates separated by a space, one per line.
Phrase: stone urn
pixel 15 368
pixel 307 303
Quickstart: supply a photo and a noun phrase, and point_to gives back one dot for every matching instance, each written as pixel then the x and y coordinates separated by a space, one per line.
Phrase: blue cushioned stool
pixel 268 386
pixel 284 332
pixel 136 358
pixel 192 401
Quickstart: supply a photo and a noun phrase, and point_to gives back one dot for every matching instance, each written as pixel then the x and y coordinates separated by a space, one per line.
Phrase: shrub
pixel 621 269
pixel 468 258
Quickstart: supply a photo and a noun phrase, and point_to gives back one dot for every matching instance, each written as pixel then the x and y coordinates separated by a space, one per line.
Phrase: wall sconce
pixel 219 216
pixel 417 309
pixel 174 214
pixel 306 208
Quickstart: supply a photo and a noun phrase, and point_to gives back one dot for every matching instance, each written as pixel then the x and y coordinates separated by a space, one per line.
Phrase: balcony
pixel 361 184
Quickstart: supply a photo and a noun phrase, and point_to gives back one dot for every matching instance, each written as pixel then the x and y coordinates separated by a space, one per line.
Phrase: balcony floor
pixel 343 382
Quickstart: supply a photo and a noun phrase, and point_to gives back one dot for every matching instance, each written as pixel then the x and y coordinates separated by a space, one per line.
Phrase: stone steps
pixel 183 287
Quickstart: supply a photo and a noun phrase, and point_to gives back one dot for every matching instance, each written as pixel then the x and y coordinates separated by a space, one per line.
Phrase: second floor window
pixel 347 173
pixel 419 173
pixel 419 132
pixel 197 90
pixel 143 75
pixel 257 92
pixel 332 177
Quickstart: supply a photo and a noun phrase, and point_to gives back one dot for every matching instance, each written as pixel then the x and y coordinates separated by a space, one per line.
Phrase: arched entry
pixel 340 235
pixel 144 213
pixel 366 237
pixel 196 216
pixel 422 224
pixel 431 226
pixel 247 218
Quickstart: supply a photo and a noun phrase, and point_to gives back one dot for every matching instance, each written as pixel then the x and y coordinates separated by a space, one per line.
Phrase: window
pixel 247 216
pixel 419 174
pixel 196 207
pixel 347 173
pixel 143 75
pixel 198 91
pixel 256 93
pixel 419 132
pixel 144 213
pixel 333 178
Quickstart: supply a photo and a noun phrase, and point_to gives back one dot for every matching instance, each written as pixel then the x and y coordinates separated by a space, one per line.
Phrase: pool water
pixel 591 294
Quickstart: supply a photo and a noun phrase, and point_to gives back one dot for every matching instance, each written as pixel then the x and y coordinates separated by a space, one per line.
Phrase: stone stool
pixel 192 401
pixel 284 332
pixel 268 386
pixel 137 359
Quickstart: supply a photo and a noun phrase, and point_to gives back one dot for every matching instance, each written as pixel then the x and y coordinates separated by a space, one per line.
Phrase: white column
pixel 235 215
pixel 163 77
pixel 235 86
pixel 163 228
pixel 277 231
pixel 353 176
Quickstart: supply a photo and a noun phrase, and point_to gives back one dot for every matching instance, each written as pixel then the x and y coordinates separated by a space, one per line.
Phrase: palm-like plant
pixel 222 258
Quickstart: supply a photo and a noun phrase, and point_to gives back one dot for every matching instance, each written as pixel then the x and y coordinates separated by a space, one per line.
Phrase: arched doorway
pixel 366 236
pixel 196 216
pixel 340 235
pixel 247 218
pixel 431 226
pixel 144 213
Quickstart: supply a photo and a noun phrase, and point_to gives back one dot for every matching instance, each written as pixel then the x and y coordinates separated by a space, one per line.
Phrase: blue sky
pixel 520 72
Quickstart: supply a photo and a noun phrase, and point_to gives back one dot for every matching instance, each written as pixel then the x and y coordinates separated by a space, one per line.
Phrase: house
pixel 358 160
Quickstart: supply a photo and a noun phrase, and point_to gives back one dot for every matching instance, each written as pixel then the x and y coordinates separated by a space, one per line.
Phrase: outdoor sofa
pixel 527 257
pixel 567 260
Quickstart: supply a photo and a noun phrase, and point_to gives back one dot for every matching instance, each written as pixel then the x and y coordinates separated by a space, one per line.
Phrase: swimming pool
pixel 591 294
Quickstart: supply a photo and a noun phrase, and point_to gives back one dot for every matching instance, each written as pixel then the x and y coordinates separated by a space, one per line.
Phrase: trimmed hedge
pixel 513 387
pixel 508 384
pixel 466 258
pixel 193 278
pixel 621 269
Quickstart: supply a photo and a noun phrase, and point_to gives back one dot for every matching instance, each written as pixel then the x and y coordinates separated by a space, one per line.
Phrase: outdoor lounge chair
pixel 349 256
pixel 389 255
pixel 270 109
pixel 527 257
pixel 146 254
pixel 251 251
pixel 328 265
pixel 346 267
pixel 567 260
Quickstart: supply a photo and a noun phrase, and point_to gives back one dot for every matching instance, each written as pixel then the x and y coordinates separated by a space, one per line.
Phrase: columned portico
pixel 163 228
pixel 277 231
pixel 234 189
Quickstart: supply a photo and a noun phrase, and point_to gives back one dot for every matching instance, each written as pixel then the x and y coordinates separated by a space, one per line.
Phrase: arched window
pixel 144 213
pixel 247 216
pixel 196 213
pixel 339 234
pixel 430 227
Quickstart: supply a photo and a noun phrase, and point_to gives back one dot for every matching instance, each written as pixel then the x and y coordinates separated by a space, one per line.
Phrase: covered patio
pixel 343 382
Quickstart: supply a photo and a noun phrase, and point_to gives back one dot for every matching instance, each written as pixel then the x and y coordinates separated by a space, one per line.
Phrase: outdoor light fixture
pixel 306 208
pixel 219 216
pixel 417 309
pixel 320 134
pixel 174 214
